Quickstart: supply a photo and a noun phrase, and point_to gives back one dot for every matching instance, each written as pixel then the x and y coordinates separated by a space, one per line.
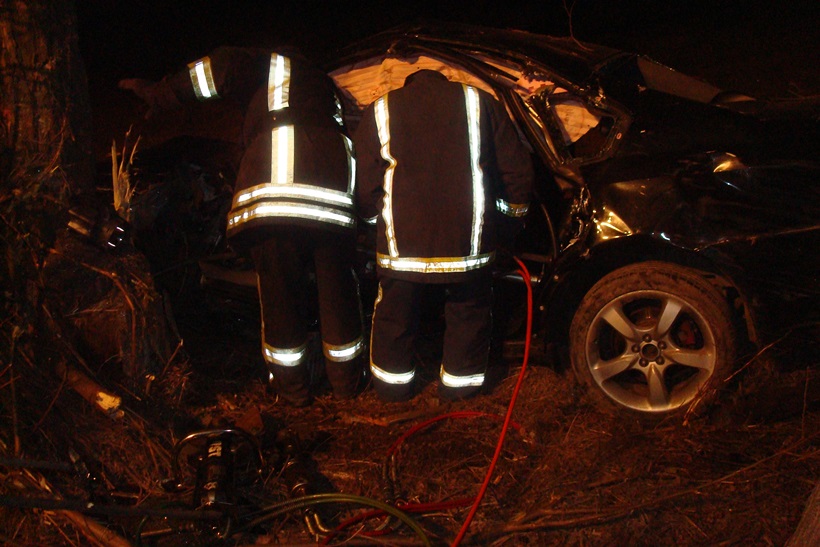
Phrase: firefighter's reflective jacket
pixel 439 165
pixel 298 163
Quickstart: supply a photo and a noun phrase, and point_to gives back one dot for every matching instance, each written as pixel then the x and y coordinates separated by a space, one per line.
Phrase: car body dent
pixel 761 240
pixel 683 172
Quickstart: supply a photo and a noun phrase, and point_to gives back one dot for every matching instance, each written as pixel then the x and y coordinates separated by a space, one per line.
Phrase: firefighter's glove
pixel 158 96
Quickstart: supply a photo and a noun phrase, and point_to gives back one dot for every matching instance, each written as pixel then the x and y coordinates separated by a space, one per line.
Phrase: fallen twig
pixel 350 418
pixel 91 391
pixel 94 531
pixel 116 281
pixel 15 426
pixel 594 516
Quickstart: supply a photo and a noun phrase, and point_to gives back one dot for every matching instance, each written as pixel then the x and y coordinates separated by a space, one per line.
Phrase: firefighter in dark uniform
pixel 442 172
pixel 293 203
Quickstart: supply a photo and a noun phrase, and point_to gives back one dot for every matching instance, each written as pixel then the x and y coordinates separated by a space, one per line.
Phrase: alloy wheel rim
pixel 650 351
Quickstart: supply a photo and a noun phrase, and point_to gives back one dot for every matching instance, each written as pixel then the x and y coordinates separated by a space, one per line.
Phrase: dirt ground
pixel 566 473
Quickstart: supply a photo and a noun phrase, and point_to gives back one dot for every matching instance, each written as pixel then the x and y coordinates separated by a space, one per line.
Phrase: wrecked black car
pixel 674 227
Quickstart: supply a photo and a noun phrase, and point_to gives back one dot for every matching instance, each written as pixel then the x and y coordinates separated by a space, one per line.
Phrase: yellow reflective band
pixel 474 135
pixel 305 211
pixel 281 147
pixel 345 352
pixel 315 193
pixel 512 209
pixel 450 380
pixel 339 115
pixel 351 165
pixel 392 377
pixel 202 79
pixel 278 82
pixel 383 125
pixel 285 357
pixel 434 265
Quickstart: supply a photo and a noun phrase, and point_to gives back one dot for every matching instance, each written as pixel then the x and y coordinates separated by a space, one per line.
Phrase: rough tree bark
pixel 66 301
pixel 46 114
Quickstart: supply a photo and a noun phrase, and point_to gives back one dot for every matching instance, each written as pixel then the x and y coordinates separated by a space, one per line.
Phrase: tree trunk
pixel 66 299
pixel 44 94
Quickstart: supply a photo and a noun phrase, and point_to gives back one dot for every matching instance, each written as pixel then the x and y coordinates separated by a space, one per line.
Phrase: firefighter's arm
pixel 369 166
pixel 514 165
pixel 225 72
pixel 158 96
pixel 515 174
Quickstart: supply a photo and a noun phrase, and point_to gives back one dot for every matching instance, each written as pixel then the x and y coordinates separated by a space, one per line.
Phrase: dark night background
pixel 767 49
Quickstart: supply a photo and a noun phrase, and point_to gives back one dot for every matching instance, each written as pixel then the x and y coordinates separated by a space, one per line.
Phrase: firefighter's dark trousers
pixel 282 265
pixel 466 344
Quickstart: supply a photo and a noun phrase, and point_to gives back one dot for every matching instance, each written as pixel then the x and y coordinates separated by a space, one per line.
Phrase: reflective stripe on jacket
pixel 437 161
pixel 298 166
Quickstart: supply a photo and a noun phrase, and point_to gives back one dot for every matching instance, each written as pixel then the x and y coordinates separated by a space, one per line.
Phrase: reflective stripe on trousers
pixel 394 378
pixel 451 380
pixel 343 352
pixel 402 378
pixel 284 357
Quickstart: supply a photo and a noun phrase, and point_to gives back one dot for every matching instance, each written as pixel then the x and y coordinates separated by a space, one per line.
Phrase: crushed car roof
pixel 567 57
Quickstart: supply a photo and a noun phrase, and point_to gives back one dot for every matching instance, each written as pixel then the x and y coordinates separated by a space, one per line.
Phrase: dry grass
pixel 568 474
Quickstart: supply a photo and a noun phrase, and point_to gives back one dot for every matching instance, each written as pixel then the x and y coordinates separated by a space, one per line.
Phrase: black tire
pixel 653 339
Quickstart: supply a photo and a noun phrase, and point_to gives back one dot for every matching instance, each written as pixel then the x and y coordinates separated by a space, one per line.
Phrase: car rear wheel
pixel 652 338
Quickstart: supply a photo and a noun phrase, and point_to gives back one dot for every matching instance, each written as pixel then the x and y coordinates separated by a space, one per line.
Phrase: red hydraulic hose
pixel 416 507
pixel 418 427
pixel 420 507
pixel 526 275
